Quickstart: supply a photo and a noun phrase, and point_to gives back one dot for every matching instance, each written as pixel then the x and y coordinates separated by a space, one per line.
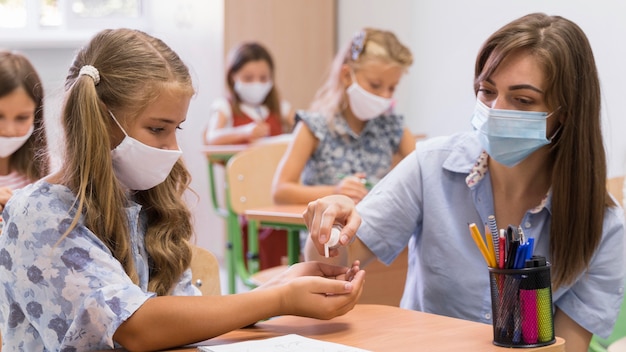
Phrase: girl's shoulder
pixel 315 121
pixel 40 196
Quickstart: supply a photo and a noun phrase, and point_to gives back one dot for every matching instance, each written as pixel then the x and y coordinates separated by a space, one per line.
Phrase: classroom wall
pixel 445 35
pixel 436 95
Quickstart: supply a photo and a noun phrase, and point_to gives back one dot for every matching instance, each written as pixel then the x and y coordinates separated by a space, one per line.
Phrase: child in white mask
pixel 101 248
pixel 351 137
pixel 251 111
pixel 252 108
pixel 23 146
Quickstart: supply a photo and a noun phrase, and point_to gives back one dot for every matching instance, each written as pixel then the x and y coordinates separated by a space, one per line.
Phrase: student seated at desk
pixel 536 158
pixel 348 139
pixel 23 143
pixel 252 111
pixel 96 255
pixel 253 108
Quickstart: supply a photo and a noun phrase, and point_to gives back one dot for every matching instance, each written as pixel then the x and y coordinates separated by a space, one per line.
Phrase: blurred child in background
pixel 253 108
pixel 351 136
pixel 23 145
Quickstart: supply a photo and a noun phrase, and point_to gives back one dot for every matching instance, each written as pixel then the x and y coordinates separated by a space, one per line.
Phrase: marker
pixel 368 184
pixel 528 309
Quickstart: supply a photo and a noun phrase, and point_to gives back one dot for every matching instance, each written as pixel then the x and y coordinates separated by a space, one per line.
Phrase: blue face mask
pixel 509 136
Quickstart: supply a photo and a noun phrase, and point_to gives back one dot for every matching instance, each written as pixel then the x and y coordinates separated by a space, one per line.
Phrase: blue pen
pixel 530 248
pixel 520 256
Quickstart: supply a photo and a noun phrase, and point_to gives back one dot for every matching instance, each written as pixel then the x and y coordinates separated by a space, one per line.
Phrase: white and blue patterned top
pixel 66 294
pixel 427 201
pixel 342 152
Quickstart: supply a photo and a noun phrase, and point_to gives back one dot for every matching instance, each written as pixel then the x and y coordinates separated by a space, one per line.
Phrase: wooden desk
pixel 382 328
pixel 219 155
pixel 288 217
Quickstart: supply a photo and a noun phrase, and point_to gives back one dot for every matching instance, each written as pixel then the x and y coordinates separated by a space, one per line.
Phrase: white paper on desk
pixel 286 343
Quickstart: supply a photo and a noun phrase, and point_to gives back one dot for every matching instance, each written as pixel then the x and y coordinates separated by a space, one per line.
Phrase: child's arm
pixel 306 289
pixel 287 188
pixel 407 145
pixel 218 132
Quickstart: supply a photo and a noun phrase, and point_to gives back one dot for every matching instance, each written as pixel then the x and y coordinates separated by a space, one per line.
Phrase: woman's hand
pixel 320 216
pixel 318 290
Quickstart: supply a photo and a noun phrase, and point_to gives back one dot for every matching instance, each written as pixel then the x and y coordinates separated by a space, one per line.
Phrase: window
pixel 30 23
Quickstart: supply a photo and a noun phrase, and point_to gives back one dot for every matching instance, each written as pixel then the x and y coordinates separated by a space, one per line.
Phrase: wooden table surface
pixel 382 328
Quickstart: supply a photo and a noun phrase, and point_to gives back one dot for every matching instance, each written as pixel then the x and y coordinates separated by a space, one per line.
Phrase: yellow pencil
pixel 479 242
pixel 491 248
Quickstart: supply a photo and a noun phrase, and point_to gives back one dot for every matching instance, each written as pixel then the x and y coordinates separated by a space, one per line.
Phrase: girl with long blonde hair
pixel 96 256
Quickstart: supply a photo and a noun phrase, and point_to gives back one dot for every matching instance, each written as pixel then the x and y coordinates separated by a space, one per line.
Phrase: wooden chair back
pixel 615 185
pixel 250 173
pixel 205 271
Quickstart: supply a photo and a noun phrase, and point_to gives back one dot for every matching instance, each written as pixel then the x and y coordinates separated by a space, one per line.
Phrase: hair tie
pixel 358 42
pixel 91 72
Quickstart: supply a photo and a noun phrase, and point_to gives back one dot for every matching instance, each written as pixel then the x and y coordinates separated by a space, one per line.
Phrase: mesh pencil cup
pixel 521 303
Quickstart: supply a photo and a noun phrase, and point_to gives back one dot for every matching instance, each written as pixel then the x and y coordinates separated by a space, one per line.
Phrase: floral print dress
pixel 342 152
pixel 65 294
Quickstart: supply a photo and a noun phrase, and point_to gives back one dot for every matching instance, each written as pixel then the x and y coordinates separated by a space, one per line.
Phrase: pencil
pixel 476 236
pixel 491 248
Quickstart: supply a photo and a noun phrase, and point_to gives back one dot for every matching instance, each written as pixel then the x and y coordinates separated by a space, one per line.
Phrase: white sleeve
pixel 285 108
pixel 221 105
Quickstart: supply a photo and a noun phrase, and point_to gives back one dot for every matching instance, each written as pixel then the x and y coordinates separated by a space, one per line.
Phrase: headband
pixel 91 72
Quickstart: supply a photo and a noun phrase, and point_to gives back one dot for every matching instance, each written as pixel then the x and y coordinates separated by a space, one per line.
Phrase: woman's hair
pixel 134 69
pixel 367 44
pixel 16 71
pixel 237 58
pixel 572 89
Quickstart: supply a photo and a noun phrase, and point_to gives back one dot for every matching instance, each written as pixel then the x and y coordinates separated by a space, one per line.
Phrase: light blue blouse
pixel 66 294
pixel 427 202
pixel 342 152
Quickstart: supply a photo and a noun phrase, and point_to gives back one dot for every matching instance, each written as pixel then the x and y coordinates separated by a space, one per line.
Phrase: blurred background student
pixel 253 108
pixel 251 111
pixel 23 145
pixel 351 137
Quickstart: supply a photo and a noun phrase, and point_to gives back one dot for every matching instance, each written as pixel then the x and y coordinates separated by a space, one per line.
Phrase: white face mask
pixel 8 145
pixel 140 167
pixel 253 93
pixel 365 105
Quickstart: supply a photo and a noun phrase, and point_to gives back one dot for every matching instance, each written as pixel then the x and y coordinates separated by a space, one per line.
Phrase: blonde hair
pixel 134 68
pixel 367 44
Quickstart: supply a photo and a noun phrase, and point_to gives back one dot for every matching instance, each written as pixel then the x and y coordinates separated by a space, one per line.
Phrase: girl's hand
pixel 319 290
pixel 322 214
pixel 353 187
pixel 258 130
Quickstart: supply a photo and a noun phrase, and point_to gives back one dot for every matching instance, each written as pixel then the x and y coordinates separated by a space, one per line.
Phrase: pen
pixel 502 247
pixel 510 255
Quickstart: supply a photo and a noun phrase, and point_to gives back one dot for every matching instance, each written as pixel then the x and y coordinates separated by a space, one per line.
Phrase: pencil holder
pixel 521 303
